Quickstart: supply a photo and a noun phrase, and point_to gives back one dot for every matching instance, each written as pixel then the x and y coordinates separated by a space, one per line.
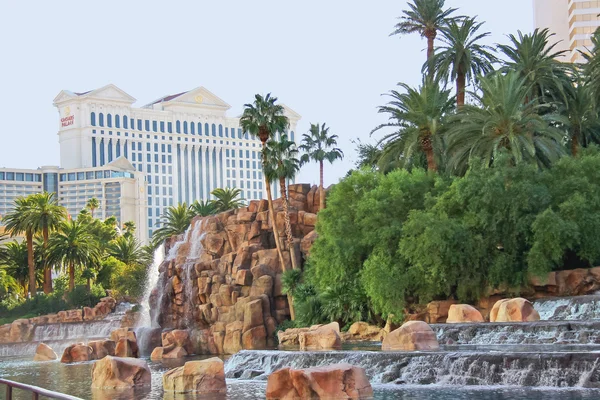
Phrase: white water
pixel 569 308
pixel 151 281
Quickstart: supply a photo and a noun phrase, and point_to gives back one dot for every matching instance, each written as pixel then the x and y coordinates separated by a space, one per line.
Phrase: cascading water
pixel 151 281
pixel 569 308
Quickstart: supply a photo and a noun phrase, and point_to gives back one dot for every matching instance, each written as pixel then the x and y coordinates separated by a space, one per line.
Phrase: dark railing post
pixel 34 396
pixel 8 392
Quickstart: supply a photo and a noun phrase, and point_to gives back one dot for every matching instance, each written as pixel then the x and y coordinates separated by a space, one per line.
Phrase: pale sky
pixel 330 60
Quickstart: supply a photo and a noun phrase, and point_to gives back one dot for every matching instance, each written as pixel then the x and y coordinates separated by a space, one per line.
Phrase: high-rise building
pixel 184 144
pixel 119 188
pixel 572 21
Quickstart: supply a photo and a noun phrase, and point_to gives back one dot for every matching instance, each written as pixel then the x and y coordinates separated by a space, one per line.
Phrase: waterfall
pixel 445 368
pixel 569 308
pixel 151 281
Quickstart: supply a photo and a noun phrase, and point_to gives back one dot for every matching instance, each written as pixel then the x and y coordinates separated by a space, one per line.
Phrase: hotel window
pixel 71 176
pixel 93 119
pixel 177 127
pixel 155 147
pixel 109 120
pixel 199 128
pixel 206 131
pixel 154 126
pixel 170 127
pixel 185 125
pixel 139 124
pixel 226 132
pixel 192 128
pixel 101 119
pixel 20 177
pixel 125 122
pixel 117 121
pixel 292 136
pixel 214 130
pixel 147 125
pixel 220 130
pixel 63 177
pixel 239 133
pixel 162 126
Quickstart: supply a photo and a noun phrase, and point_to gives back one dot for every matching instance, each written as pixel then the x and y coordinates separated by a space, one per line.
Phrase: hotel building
pixel 184 144
pixel 573 22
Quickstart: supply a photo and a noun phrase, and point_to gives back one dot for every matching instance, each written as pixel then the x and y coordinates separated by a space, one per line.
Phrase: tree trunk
pixel 273 222
pixel 430 35
pixel 71 276
pixel 575 142
pixel 460 89
pixel 427 147
pixel 47 271
pixel 89 285
pixel 288 225
pixel 92 211
pixel 321 190
pixel 31 264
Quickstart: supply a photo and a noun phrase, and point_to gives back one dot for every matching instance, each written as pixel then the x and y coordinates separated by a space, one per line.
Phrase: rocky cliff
pixel 221 280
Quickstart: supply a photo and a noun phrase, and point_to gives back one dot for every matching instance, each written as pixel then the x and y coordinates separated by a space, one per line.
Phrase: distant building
pixel 184 144
pixel 573 22
pixel 119 188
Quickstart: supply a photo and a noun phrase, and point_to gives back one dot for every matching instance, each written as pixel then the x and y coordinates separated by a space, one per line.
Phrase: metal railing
pixel 35 391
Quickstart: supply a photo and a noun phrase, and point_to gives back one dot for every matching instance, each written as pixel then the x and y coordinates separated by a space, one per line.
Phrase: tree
pixel 15 262
pixel 425 17
pixel 580 112
pixel 88 274
pixel 73 245
pixel 46 215
pixel 368 155
pixel 93 204
pixel 174 221
pixel 203 208
pixel 419 116
pixel 281 164
pixel 19 221
pixel 535 60
pixel 126 249
pixel 129 227
pixel 265 119
pixel 319 146
pixel 461 58
pixel 504 121
pixel 227 199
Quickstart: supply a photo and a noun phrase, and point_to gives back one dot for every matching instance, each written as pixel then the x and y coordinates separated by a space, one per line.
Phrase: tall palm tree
pixel 174 221
pixel 318 145
pixel 88 274
pixel 73 245
pixel 503 122
pixel 581 116
pixel 203 208
pixel 46 215
pixel 591 68
pixel 462 58
pixel 536 61
pixel 264 118
pixel 126 249
pixel 227 199
pixel 425 17
pixel 129 228
pixel 419 117
pixel 93 204
pixel 15 262
pixel 282 165
pixel 19 221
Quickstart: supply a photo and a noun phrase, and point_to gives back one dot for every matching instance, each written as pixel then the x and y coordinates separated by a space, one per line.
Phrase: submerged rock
pixel 413 335
pixel 198 377
pixel 44 353
pixel 338 381
pixel 118 373
pixel 77 353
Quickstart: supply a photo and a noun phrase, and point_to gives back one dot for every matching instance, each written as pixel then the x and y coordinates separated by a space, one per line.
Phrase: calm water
pixel 74 379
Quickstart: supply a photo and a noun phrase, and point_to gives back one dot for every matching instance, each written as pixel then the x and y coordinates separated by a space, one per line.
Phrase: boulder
pixel 338 381
pixel 20 331
pixel 255 338
pixel 514 310
pixel 44 353
pixel 102 348
pixel 307 242
pixel 323 338
pixel 198 377
pixel 233 338
pixel 413 335
pixel 362 331
pixel 126 348
pixel 77 353
pixel 437 311
pixel 460 313
pixel 253 315
pixel 119 373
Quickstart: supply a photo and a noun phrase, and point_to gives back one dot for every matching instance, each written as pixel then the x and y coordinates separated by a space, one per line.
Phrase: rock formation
pixel 102 348
pixel 338 381
pixel 44 353
pixel 222 280
pixel 126 342
pixel 413 335
pixel 514 310
pixel 362 331
pixel 120 373
pixel 322 338
pixel 459 313
pixel 197 377
pixel 77 353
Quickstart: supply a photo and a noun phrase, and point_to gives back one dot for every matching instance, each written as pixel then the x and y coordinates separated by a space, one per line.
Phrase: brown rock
pixel 243 278
pixel 255 338
pixel 514 310
pixel 102 348
pixel 20 331
pixel 437 311
pixel 413 335
pixel 118 373
pixel 307 242
pixel 44 353
pixel 460 313
pixel 262 285
pixel 77 353
pixel 177 352
pixel 362 331
pixel 126 348
pixel 198 377
pixel 322 338
pixel 233 338
pixel 157 353
pixel 338 381
pixel 253 315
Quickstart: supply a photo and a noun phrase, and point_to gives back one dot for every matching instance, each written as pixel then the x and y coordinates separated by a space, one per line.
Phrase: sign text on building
pixel 66 121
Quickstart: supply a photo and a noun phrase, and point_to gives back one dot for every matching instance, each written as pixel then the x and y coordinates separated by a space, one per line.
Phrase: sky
pixel 330 61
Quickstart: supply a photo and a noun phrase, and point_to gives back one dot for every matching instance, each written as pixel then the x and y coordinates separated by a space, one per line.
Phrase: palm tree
pixel 129 228
pixel 46 215
pixel 126 249
pixel 203 208
pixel 319 146
pixel 174 221
pixel 419 115
pixel 15 262
pixel 19 221
pixel 88 274
pixel 503 122
pixel 591 68
pixel 93 204
pixel 282 165
pixel 462 59
pixel 535 60
pixel 264 119
pixel 227 199
pixel 425 17
pixel 74 246
pixel 580 112
pixel 8 284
